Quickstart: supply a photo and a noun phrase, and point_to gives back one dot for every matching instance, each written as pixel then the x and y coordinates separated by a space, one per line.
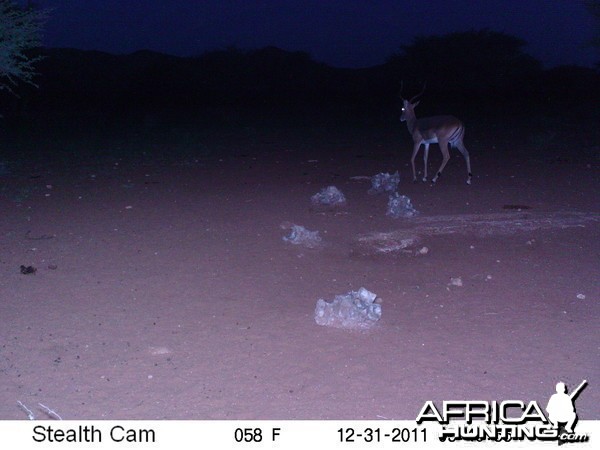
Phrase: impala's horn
pixel 401 89
pixel 412 100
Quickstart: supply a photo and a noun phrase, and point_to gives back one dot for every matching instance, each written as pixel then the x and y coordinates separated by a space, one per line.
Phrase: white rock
pixel 456 281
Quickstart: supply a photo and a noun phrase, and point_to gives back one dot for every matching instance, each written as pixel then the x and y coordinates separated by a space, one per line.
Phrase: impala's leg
pixel 461 148
pixel 425 158
pixel 412 160
pixel 446 156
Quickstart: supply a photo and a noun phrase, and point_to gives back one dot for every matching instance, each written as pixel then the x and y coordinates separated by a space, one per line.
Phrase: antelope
pixel 442 130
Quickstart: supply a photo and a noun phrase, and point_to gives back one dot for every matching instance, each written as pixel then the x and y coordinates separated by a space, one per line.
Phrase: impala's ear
pixel 416 104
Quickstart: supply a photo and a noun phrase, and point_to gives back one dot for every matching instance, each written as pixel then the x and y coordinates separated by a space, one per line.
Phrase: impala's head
pixel 408 110
pixel 408 106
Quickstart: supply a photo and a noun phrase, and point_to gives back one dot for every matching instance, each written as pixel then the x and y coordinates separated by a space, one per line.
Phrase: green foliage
pixel 20 30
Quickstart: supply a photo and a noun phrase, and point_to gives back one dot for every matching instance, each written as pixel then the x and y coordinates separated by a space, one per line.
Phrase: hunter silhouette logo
pixel 561 408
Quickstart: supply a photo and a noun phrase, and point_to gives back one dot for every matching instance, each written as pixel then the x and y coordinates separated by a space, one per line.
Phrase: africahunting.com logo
pixel 509 420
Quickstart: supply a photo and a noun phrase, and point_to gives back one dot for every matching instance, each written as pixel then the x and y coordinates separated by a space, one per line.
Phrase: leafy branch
pixel 20 31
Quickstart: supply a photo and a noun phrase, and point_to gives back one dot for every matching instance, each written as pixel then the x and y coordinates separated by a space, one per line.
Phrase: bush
pixel 20 30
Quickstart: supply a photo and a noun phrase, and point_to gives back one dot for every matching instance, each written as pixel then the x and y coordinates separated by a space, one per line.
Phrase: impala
pixel 442 130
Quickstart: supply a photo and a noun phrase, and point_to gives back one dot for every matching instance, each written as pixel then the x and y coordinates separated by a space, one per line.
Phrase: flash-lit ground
pixel 164 288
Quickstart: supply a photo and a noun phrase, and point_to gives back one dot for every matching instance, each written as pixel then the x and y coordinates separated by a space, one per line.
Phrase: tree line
pixel 466 67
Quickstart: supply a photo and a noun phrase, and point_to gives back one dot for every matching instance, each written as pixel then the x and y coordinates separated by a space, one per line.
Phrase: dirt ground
pixel 164 289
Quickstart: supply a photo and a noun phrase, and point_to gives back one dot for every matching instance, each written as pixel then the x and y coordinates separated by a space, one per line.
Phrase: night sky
pixel 342 33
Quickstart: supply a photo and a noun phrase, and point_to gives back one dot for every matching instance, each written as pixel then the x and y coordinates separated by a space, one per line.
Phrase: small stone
pixel 28 270
pixel 456 281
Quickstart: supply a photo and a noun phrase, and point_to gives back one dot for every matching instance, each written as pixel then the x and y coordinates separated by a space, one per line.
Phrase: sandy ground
pixel 164 288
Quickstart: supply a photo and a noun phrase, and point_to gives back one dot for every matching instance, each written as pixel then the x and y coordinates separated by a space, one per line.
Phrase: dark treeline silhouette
pixel 471 63
pixel 471 70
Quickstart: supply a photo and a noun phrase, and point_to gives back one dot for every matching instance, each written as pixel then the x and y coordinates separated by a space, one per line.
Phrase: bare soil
pixel 164 290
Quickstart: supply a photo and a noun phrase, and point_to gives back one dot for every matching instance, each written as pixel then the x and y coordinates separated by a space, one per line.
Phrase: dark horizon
pixel 348 34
